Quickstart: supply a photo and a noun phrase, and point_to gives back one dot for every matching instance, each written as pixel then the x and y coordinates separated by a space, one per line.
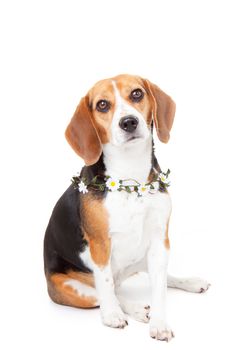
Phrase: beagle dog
pixel 99 236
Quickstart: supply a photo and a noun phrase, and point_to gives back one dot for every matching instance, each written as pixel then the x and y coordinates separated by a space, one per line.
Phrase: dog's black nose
pixel 128 123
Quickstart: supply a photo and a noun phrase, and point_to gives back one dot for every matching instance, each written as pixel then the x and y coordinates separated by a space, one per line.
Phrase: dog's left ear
pixel 163 109
pixel 81 134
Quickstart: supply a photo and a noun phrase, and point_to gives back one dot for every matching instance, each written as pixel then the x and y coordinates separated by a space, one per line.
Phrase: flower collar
pixel 102 183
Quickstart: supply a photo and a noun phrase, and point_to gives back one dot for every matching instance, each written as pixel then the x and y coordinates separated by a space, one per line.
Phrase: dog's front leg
pixel 96 230
pixel 157 269
pixel 111 312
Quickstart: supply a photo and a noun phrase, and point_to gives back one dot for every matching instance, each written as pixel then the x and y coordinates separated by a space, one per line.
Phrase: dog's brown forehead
pixel 101 90
pixel 104 89
pixel 126 83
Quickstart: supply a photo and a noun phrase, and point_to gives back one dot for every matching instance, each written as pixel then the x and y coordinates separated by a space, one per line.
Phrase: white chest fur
pixel 132 220
pixel 132 223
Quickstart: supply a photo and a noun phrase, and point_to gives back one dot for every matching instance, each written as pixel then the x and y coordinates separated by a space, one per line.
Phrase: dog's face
pixel 119 111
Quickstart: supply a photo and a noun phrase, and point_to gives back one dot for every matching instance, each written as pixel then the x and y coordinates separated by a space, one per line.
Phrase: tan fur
pixel 82 135
pixel 166 241
pixel 163 108
pixel 85 278
pixel 95 227
pixel 103 90
pixel 65 294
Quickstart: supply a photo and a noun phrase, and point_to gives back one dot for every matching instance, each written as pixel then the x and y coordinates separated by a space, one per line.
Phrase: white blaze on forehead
pixel 123 109
pixel 118 98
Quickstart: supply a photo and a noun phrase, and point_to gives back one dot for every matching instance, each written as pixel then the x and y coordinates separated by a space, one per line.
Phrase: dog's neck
pixel 129 161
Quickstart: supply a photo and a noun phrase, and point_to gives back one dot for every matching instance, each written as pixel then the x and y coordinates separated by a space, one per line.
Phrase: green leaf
pixel 94 179
pixel 127 188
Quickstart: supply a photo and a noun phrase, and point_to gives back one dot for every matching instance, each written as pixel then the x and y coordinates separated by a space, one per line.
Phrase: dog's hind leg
pixel 193 284
pixel 135 309
pixel 72 289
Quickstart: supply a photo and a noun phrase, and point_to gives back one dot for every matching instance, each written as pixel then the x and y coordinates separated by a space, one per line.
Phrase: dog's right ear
pixel 82 135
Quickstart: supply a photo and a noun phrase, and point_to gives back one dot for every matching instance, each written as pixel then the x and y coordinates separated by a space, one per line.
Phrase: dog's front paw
pixel 114 318
pixel 160 330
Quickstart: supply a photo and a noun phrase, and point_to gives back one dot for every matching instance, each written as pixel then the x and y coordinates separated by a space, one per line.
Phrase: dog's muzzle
pixel 128 123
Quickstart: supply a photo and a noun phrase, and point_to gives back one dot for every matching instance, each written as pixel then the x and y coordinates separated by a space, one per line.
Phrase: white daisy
pixel 82 187
pixel 164 178
pixel 143 189
pixel 112 184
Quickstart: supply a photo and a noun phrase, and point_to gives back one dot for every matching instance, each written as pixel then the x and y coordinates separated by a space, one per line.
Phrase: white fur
pixel 81 288
pixel 111 312
pixel 157 269
pixel 138 311
pixel 133 222
pixel 137 230
pixel 194 284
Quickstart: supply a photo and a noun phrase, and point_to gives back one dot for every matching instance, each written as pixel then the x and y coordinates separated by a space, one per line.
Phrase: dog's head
pixel 119 111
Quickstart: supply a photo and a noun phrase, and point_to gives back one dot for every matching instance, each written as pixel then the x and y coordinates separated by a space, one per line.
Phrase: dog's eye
pixel 136 95
pixel 103 106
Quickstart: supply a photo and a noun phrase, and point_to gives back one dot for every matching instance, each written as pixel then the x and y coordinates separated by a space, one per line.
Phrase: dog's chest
pixel 132 222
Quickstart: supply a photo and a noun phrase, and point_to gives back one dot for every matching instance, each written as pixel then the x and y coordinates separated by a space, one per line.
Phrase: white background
pixel 52 52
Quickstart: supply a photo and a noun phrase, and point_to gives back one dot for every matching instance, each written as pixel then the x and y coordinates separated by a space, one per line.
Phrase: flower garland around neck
pixel 158 182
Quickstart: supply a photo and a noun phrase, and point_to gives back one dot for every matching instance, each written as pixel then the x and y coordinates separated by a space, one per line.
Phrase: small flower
pixel 112 184
pixel 82 187
pixel 164 178
pixel 143 189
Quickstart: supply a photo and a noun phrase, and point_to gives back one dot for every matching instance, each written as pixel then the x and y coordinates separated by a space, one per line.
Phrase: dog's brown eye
pixel 136 95
pixel 103 106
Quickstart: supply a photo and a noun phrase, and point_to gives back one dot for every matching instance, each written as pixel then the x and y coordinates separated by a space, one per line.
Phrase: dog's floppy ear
pixel 163 108
pixel 82 135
